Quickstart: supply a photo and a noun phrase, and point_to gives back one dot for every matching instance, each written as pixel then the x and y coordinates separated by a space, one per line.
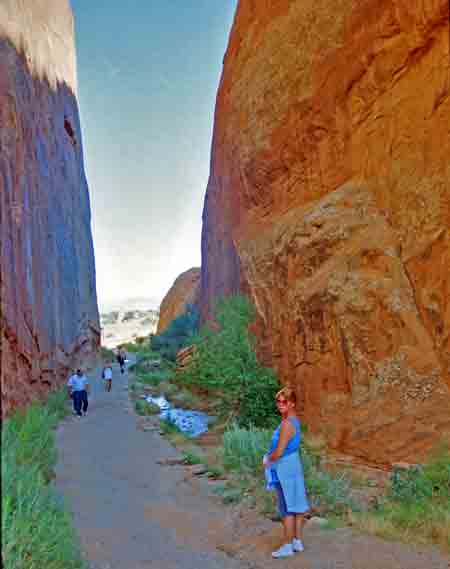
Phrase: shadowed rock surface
pixel 185 290
pixel 49 315
pixel 328 202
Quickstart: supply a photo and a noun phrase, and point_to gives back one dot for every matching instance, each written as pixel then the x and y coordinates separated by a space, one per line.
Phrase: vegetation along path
pixel 133 511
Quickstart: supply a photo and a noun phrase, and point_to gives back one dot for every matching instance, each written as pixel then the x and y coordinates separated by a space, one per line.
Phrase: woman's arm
pixel 287 431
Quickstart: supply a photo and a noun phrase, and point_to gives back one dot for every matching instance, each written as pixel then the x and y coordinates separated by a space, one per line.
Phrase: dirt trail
pixel 131 512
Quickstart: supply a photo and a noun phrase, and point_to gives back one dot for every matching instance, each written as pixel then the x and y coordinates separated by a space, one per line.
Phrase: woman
pixel 286 471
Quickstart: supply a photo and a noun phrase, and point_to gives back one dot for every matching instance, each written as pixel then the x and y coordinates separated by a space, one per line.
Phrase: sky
pixel 148 73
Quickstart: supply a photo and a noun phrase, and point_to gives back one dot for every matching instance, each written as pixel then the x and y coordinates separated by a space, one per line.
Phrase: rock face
pixel 185 290
pixel 328 203
pixel 49 315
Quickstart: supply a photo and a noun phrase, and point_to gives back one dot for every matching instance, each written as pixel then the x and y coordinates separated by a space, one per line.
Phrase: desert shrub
pixel 193 457
pixel 417 505
pixel 178 334
pixel 144 407
pixel 225 362
pixel 243 449
pixel 154 377
pixel 431 481
pixel 36 530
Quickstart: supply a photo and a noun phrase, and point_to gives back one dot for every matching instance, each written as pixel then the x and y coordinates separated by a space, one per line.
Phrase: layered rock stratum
pixel 185 290
pixel 49 315
pixel 328 203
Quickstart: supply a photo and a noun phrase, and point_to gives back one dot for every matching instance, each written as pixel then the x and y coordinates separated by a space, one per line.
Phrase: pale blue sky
pixel 148 72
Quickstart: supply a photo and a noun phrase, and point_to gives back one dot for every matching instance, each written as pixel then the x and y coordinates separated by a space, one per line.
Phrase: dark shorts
pixel 282 508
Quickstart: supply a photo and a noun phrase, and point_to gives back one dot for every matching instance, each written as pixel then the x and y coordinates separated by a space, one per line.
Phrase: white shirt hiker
pixel 78 382
pixel 107 373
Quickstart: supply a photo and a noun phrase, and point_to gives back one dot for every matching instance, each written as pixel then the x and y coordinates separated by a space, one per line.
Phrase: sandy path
pixel 133 513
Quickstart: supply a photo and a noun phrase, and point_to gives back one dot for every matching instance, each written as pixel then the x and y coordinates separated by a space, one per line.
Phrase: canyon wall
pixel 185 290
pixel 328 203
pixel 49 315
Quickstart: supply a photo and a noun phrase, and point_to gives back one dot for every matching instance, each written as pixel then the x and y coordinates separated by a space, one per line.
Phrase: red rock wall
pixel 185 290
pixel 49 315
pixel 329 204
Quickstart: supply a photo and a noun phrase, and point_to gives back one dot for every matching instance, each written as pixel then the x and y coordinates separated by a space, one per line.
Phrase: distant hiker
pixel 107 376
pixel 78 386
pixel 121 356
pixel 284 471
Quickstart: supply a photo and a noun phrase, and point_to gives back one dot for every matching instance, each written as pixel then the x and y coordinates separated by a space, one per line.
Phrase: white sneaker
pixel 285 550
pixel 297 545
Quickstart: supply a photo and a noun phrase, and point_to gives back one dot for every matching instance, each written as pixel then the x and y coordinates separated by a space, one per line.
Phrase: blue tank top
pixel 292 446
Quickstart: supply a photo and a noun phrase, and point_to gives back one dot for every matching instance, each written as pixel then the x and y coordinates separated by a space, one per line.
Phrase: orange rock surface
pixel 328 203
pixel 49 316
pixel 185 290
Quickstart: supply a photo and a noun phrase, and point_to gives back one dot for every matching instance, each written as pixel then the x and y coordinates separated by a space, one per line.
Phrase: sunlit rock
pixel 185 290
pixel 328 203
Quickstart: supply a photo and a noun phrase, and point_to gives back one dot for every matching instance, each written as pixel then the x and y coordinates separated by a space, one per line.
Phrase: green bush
pixel 225 362
pixel 178 334
pixel 417 506
pixel 36 531
pixel 431 481
pixel 149 361
pixel 154 377
pixel 145 408
pixel 192 457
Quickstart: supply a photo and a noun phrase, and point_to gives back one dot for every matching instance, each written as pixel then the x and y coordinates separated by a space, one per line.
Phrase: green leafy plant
pixel 143 407
pixel 191 457
pixel 225 362
pixel 417 505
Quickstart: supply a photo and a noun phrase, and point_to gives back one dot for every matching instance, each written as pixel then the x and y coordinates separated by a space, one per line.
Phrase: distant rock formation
pixel 49 315
pixel 185 290
pixel 328 203
pixel 120 327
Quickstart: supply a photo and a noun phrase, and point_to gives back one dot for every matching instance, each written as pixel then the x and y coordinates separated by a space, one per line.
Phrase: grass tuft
pixel 145 408
pixel 36 530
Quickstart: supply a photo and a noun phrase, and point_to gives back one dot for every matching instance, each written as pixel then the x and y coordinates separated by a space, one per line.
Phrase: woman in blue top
pixel 287 476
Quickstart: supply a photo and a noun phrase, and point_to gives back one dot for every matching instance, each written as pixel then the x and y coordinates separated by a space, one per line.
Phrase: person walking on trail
pixel 284 471
pixel 107 376
pixel 121 356
pixel 78 386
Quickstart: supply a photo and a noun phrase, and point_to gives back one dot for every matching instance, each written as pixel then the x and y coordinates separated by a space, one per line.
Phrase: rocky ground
pixel 136 506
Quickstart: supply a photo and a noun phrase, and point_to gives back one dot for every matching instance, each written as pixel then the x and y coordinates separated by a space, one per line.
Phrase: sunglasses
pixel 282 402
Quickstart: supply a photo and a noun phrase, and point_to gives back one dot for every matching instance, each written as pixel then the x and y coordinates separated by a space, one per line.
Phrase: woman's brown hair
pixel 288 393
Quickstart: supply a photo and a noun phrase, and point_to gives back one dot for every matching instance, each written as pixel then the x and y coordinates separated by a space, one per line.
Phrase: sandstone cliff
pixel 328 202
pixel 185 290
pixel 49 316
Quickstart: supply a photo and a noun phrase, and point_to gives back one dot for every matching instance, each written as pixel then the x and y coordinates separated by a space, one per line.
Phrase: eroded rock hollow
pixel 49 315
pixel 328 203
